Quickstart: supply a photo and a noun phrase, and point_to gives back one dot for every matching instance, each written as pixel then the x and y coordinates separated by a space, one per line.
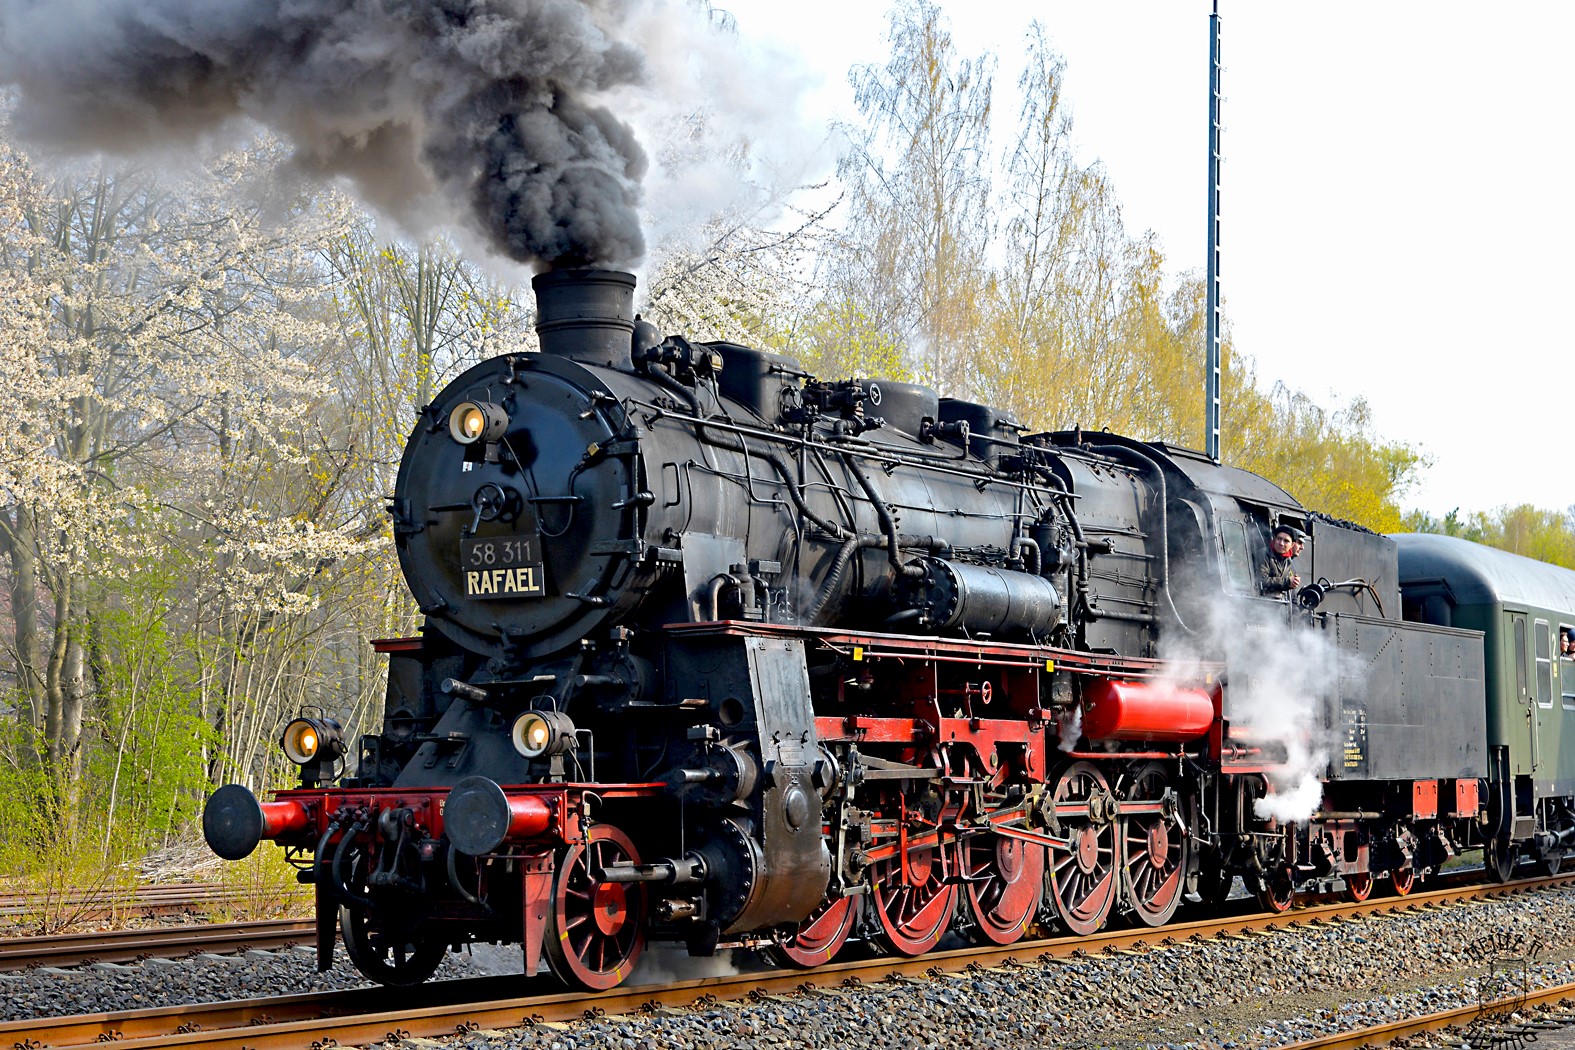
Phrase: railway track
pixel 363 1016
pixel 144 901
pixel 1508 1022
pixel 75 949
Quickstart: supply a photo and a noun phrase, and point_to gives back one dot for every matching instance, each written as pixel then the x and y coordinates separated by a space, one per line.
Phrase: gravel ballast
pixel 1251 991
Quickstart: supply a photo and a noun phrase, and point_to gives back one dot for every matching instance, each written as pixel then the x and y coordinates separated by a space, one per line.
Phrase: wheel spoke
pixel 913 918
pixel 580 950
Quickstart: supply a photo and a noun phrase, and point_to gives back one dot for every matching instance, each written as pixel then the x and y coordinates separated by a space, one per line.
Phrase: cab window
pixel 1238 557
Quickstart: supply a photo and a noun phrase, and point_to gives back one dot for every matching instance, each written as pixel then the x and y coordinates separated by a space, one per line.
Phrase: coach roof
pixel 1479 575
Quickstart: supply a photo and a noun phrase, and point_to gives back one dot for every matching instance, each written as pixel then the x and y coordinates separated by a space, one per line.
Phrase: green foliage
pixel 49 851
pixel 263 886
pixel 1546 535
pixel 839 340
pixel 25 809
pixel 1331 461
pixel 149 767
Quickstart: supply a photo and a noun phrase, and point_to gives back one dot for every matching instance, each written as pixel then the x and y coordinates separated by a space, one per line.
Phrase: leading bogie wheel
pixel 1498 857
pixel 1549 861
pixel 385 942
pixel 595 930
pixel 393 954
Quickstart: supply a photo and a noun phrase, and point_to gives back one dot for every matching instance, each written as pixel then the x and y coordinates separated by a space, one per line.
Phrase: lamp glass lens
pixel 301 741
pixel 531 735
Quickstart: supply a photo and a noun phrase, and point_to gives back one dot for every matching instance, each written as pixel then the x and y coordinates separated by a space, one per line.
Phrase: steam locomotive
pixel 718 653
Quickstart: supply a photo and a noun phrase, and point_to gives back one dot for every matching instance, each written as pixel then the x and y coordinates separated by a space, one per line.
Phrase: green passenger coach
pixel 1526 611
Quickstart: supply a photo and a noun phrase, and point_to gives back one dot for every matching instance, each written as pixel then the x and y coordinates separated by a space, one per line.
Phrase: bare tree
pixel 913 254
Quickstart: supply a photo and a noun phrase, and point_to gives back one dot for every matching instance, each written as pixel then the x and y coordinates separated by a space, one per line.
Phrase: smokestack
pixel 585 315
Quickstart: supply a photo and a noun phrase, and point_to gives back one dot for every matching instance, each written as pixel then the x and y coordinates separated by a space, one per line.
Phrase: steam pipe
pixel 981 473
pixel 1021 543
pixel 1079 540
pixel 888 524
pixel 459 887
pixel 1357 585
pixel 320 855
pixel 839 565
pixel 1146 463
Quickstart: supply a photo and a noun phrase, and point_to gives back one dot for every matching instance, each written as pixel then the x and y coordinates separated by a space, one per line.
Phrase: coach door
pixel 1544 730
pixel 1522 724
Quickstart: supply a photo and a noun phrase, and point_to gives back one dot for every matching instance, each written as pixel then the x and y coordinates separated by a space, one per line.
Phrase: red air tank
pixel 1145 711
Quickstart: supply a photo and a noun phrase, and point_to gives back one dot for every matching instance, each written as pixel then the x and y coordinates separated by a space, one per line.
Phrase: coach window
pixel 1544 637
pixel 1567 666
pixel 1518 620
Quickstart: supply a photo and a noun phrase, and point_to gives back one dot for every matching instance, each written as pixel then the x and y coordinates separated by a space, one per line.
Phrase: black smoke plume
pixel 491 111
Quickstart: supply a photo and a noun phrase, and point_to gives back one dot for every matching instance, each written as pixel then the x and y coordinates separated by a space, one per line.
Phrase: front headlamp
pixel 540 733
pixel 473 421
pixel 307 740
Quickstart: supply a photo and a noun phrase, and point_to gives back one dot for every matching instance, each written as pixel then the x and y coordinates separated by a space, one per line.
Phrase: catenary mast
pixel 1211 371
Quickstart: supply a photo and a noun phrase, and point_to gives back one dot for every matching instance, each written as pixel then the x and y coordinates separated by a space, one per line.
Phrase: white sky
pixel 1398 207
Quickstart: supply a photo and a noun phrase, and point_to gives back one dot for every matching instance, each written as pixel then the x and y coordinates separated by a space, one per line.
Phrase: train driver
pixel 1277 575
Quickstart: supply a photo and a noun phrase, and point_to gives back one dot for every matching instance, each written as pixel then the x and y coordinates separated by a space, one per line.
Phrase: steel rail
pixel 24 898
pixel 151 1026
pixel 129 945
pixel 157 900
pixel 300 1021
pixel 1491 1014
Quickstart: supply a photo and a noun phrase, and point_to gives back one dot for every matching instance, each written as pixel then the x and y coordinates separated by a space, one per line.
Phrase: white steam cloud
pixel 1071 730
pixel 667 964
pixel 1279 677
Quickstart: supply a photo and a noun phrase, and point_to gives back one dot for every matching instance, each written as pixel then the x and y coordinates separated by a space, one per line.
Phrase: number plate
pixel 503 567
